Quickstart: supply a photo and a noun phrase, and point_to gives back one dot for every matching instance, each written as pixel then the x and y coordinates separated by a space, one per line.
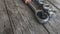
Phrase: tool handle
pixel 32 7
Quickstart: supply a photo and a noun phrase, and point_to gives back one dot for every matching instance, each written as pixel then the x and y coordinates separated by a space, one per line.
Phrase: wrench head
pixel 42 17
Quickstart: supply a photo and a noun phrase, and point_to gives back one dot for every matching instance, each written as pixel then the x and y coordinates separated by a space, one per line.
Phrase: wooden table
pixel 18 18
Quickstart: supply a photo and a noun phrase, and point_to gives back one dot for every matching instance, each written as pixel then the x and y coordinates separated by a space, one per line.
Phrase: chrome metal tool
pixel 42 11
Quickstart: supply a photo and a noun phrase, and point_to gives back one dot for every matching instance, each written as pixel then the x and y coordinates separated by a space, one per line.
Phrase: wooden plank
pixel 5 27
pixel 23 20
pixel 54 24
pixel 56 3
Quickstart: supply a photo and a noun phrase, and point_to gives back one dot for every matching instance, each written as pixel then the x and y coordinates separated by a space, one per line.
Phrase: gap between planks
pixel 5 27
pixel 23 19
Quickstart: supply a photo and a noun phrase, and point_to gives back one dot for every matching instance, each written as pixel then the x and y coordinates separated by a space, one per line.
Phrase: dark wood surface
pixel 17 18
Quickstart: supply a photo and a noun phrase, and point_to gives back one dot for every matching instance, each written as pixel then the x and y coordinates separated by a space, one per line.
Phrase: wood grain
pixel 5 27
pixel 23 19
pixel 56 3
pixel 54 24
pixel 17 18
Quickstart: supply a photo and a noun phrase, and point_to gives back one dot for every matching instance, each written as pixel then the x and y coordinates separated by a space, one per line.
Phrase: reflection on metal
pixel 45 11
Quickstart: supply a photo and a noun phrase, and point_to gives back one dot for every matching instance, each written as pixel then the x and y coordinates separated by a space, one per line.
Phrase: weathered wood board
pixel 5 27
pixel 17 18
pixel 23 20
pixel 54 24
pixel 56 3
